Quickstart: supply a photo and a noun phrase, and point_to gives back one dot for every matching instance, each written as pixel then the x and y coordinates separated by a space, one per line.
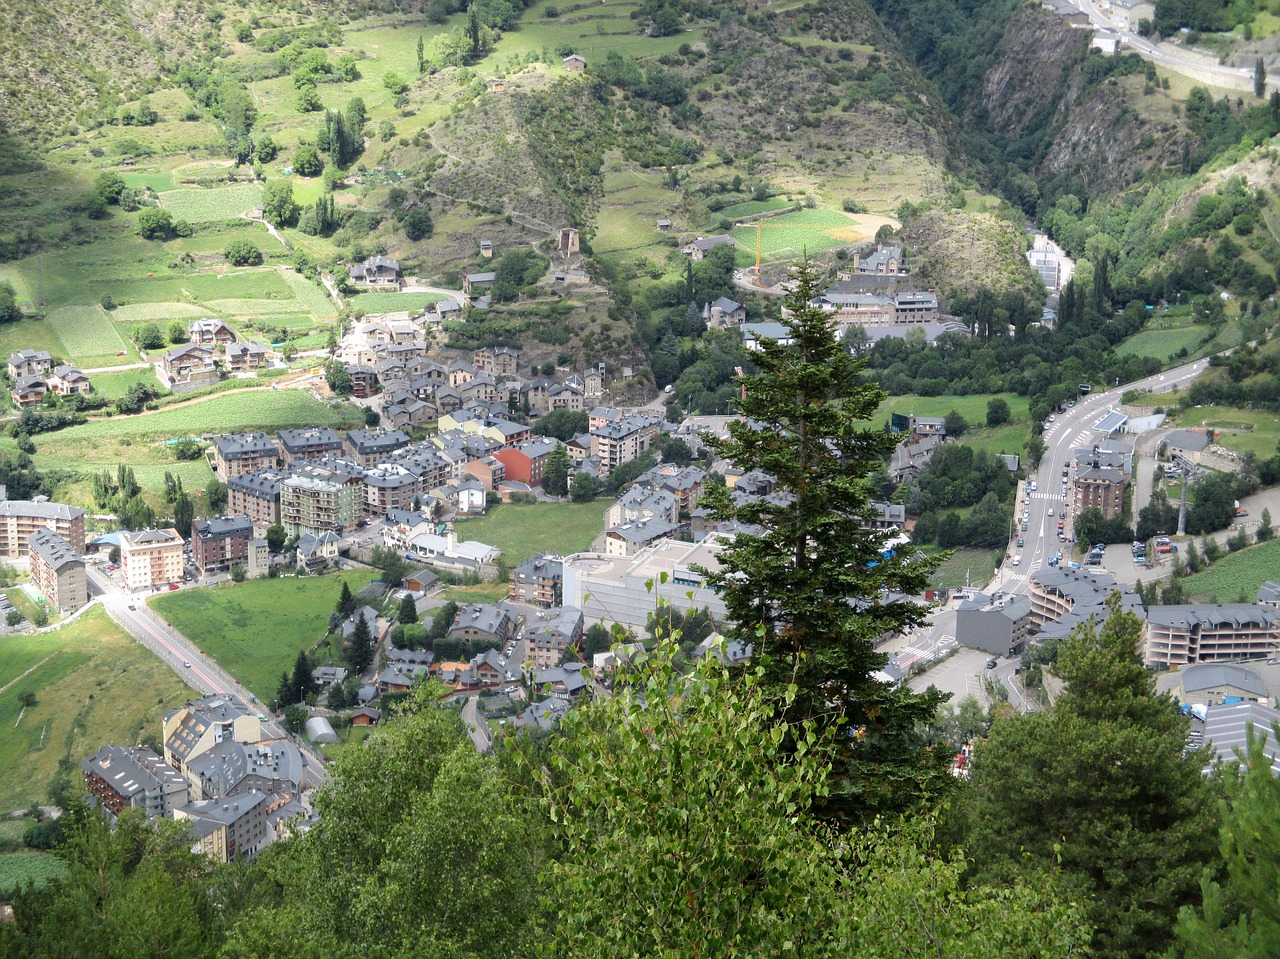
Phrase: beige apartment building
pixel 151 558
pixel 57 570
pixel 20 518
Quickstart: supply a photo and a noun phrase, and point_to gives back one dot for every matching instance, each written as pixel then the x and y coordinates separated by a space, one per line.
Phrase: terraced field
pixel 156 312
pixel 314 298
pixel 392 302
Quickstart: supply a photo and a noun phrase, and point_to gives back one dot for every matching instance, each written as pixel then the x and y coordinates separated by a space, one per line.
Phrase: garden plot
pixel 212 205
pixel 372 303
pixel 257 307
pixel 315 299
pixel 87 333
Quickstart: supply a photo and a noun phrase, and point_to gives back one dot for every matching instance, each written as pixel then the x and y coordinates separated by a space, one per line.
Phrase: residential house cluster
pixel 613 437
pixel 32 376
pixel 237 790
pixel 213 348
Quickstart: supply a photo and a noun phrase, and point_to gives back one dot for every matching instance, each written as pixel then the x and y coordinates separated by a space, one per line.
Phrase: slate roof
pixel 1187 440
pixel 53 549
pixel 1211 675
pixel 232 446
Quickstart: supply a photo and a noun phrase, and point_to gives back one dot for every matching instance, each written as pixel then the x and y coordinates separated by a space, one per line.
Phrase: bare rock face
pixel 1037 55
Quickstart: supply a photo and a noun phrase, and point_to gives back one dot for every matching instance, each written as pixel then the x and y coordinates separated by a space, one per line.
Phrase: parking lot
pixel 960 675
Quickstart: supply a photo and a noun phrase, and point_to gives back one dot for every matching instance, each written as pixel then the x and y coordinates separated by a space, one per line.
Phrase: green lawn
pixel 113 385
pixel 522 531
pixel 221 413
pixel 787 236
pixel 1236 576
pixel 972 565
pixel 972 408
pixel 89 337
pixel 93 684
pixel 255 629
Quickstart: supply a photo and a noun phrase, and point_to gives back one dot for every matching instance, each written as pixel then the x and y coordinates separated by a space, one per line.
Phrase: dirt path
pixel 117 369
pixel 5 688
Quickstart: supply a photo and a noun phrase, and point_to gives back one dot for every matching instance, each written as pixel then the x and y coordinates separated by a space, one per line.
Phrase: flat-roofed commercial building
pixel 57 570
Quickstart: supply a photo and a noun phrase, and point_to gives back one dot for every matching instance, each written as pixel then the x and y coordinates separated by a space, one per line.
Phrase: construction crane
pixel 761 226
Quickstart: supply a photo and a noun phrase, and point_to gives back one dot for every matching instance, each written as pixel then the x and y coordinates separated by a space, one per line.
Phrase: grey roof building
pixel 1202 632
pixel 133 777
pixel 997 626
pixel 1216 683
pixel 1226 728
pixel 309 443
pixel 230 768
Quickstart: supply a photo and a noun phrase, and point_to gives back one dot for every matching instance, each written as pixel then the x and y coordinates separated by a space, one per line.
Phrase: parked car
pixel 992 664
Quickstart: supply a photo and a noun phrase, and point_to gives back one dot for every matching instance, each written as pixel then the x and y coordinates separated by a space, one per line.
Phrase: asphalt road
pixel 1069 431
pixel 192 665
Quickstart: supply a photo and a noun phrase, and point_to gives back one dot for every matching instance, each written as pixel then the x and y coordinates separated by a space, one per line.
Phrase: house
pixel 329 675
pixel 235 454
pixel 488 471
pixel 29 390
pixel 566 683
pixel 885 261
pixel 377 271
pixel 643 502
pixel 29 363
pixel 187 367
pixel 566 396
pixel 220 542
pixel 475 283
pixel 486 246
pixel 753 334
pixel 57 570
pixel 66 379
pixel 663 226
pixel 500 361
pixel 700 247
pixel 422 581
pixel 489 668
pixel 366 716
pixel 151 558
pixel 575 63
pixel 364 381
pixel 724 312
pixel 470 497
pixel 246 357
pixel 370 617
pixel 593 382
pixel 210 332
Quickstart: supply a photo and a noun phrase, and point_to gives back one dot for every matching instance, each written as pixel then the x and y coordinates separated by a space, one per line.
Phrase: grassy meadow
pixel 93 684
pixel 1237 576
pixel 256 629
pixel 521 531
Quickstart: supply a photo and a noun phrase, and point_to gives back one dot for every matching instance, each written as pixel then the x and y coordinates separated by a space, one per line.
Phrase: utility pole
pixel 1187 469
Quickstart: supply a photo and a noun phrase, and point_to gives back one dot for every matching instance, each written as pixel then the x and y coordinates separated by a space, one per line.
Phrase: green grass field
pixel 522 531
pixel 392 302
pixel 113 385
pixel 783 237
pixel 1163 345
pixel 156 312
pixel 223 413
pixel 1247 431
pixel 313 297
pixel 972 408
pixel 750 208
pixel 256 629
pixel 1236 577
pixel 212 205
pixel 967 567
pixel 93 685
pixel 88 335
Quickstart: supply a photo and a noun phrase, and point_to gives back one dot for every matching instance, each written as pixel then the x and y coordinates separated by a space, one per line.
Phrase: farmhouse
pixel 575 63
pixel 700 247
pixel 246 357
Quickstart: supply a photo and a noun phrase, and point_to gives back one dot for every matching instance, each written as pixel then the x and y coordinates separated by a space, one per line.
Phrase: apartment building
pixel 225 830
pixel 309 504
pixel 312 443
pixel 20 518
pixel 1101 488
pixel 537 582
pixel 257 496
pixel 132 777
pixel 197 726
pixel 527 462
pixel 219 542
pixel 151 558
pixel 370 447
pixel 622 441
pixel 1209 633
pixel 235 454
pixel 551 634
pixel 57 570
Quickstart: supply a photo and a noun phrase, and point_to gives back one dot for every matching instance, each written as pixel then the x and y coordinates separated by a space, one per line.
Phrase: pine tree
pixel 810 591
pixel 286 695
pixel 422 60
pixel 473 29
pixel 302 683
pixel 346 602
pixel 408 610
pixel 359 651
pixel 555 476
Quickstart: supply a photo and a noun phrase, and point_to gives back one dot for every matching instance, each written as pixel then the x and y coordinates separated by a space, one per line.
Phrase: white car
pixel 1050 514
pixel 1017 561
pixel 1032 487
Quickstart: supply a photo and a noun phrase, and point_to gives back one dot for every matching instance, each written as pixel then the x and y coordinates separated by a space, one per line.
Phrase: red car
pixel 172 587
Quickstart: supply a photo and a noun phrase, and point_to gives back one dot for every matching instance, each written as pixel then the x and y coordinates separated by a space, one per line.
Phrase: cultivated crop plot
pixel 155 312
pixel 87 333
pixel 392 302
pixel 209 206
pixel 243 307
pixel 312 297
